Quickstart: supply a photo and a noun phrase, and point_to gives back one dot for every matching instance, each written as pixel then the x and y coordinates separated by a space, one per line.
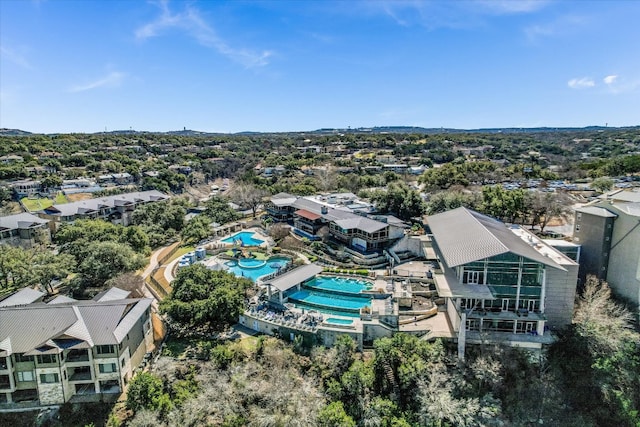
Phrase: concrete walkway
pixel 168 270
pixel 153 263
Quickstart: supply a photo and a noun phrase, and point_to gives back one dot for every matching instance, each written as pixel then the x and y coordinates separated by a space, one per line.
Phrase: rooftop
pixel 38 328
pixel 20 221
pixel 463 236
pixel 94 205
pixel 291 278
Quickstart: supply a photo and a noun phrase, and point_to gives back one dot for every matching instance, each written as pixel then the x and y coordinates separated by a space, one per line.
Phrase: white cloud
pixel 191 22
pixel 13 56
pixel 113 79
pixel 561 26
pixel 620 85
pixel 581 83
pixel 513 6
pixel 446 14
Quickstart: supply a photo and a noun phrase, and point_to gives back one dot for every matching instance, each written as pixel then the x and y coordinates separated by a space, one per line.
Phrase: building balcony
pixel 78 356
pixel 81 373
pixel 498 314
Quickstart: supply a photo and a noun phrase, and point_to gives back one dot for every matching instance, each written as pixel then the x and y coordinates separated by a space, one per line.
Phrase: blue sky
pixel 87 66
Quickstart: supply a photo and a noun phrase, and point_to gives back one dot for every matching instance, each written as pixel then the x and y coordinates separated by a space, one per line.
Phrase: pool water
pixel 251 263
pixel 330 303
pixel 338 321
pixel 351 286
pixel 245 238
pixel 254 269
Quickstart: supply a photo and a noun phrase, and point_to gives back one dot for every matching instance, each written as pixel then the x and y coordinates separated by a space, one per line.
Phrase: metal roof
pixel 23 296
pixel 46 328
pixel 361 223
pixel 112 294
pixel 291 278
pixel 628 195
pixel 20 221
pixel 463 236
pixel 90 205
pixel 308 215
pixel 597 211
pixel 61 299
pixel 350 219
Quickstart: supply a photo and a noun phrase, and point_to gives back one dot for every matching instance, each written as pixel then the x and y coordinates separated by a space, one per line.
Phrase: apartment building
pixel 70 350
pixel 116 209
pixel 24 230
pixel 608 230
pixel 501 283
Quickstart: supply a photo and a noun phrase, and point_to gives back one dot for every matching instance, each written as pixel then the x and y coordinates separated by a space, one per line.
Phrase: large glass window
pixel 4 382
pixel 106 368
pixel 49 378
pixel 24 376
pixel 105 349
pixel 20 357
pixel 47 358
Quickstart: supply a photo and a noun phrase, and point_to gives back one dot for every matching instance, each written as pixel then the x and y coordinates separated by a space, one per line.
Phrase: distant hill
pixel 13 132
pixel 421 130
pixel 361 130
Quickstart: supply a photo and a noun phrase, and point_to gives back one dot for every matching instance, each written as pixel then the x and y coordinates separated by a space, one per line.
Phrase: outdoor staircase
pixel 391 378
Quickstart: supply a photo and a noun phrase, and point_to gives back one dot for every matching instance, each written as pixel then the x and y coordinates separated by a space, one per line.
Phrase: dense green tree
pixel 76 237
pixel 21 267
pixel 104 260
pixel 400 200
pixel 51 181
pixel 447 200
pixel 334 415
pixel 203 299
pixel 146 391
pixel 602 184
pixel 168 216
pixel 506 205
pixel 196 229
pixel 217 208
pixel 46 267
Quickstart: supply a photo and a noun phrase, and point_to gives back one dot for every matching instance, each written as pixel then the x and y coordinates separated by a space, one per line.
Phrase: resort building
pixel 342 214
pixel 478 281
pixel 116 209
pixel 24 230
pixel 69 350
pixel 608 231
pixel 501 283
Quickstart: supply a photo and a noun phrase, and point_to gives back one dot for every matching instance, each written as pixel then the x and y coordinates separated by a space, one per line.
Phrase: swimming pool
pixel 330 303
pixel 254 269
pixel 340 284
pixel 245 238
pixel 338 321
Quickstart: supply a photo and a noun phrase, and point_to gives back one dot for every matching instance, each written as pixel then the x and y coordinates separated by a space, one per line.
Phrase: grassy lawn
pixel 259 255
pixel 36 204
pixel 43 203
pixel 61 198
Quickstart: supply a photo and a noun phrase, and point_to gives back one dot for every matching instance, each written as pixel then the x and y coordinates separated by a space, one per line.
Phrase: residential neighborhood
pixel 468 255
